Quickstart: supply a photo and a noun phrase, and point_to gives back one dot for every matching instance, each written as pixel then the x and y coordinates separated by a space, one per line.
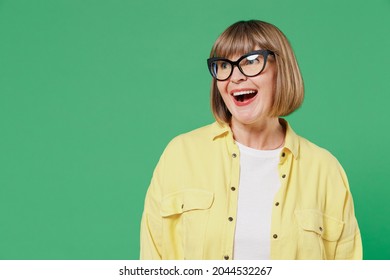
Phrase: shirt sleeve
pixel 349 246
pixel 151 223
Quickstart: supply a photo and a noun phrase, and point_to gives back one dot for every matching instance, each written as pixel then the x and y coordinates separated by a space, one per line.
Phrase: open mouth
pixel 243 96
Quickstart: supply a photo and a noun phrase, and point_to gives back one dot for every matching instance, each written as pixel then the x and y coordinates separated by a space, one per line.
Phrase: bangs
pixel 241 38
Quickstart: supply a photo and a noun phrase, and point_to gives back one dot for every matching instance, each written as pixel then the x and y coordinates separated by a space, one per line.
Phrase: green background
pixel 92 91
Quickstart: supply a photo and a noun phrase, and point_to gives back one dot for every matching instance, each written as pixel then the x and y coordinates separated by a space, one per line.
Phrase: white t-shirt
pixel 259 182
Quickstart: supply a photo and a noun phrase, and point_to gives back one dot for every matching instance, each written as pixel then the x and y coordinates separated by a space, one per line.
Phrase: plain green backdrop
pixel 92 91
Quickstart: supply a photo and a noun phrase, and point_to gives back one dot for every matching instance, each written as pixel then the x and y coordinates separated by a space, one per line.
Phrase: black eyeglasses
pixel 250 64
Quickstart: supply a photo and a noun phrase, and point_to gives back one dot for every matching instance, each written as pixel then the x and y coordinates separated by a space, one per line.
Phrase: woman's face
pixel 249 99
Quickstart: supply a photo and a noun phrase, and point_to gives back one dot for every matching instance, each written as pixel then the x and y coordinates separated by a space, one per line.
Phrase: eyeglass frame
pixel 265 54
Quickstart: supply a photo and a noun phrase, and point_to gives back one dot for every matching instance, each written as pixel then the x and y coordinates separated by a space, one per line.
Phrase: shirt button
pixel 234 155
pixel 230 219
pixel 283 154
pixel 275 236
pixel 233 188
pixel 277 204
pixel 226 257
pixel 284 176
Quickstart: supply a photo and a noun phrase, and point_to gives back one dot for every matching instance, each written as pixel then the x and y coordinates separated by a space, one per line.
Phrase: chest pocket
pixel 186 200
pixel 318 234
pixel 185 216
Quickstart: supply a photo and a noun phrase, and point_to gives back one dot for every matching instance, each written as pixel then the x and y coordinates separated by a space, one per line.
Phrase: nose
pixel 237 76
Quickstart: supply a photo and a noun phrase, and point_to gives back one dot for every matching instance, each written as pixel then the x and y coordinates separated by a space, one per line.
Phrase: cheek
pixel 221 87
pixel 273 89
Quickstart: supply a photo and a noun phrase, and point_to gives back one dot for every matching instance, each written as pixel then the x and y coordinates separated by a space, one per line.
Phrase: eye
pixel 252 59
pixel 255 61
pixel 224 65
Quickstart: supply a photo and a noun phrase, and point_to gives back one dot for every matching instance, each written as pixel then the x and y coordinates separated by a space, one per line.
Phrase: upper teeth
pixel 243 92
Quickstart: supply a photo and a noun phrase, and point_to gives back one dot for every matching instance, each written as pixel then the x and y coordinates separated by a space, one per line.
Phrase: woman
pixel 246 186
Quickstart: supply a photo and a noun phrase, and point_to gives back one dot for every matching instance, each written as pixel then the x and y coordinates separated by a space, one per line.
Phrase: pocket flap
pixel 313 220
pixel 186 200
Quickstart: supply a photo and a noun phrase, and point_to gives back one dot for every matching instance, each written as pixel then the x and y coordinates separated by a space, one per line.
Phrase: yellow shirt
pixel 191 204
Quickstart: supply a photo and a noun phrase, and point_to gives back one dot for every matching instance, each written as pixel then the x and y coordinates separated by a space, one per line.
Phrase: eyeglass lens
pixel 250 65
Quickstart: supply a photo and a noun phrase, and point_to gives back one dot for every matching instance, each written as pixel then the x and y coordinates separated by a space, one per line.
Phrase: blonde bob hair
pixel 245 36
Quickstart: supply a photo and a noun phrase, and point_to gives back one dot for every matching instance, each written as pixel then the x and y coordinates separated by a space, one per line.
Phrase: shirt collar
pixel 220 129
pixel 291 141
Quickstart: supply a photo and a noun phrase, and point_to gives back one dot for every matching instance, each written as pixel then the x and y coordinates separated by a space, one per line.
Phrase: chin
pixel 247 120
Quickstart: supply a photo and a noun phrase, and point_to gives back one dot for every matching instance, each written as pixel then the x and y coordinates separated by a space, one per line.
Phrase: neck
pixel 266 135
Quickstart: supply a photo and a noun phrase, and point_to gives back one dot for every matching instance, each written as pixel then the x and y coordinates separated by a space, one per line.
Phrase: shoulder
pixel 200 136
pixel 309 150
pixel 199 140
pixel 310 157
pixel 313 152
pixel 305 150
pixel 321 162
pixel 198 133
pixel 189 155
